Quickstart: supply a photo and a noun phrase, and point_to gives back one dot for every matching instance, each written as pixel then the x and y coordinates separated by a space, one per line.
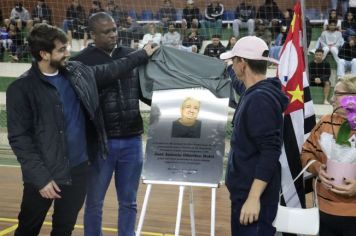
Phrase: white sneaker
pixel 326 102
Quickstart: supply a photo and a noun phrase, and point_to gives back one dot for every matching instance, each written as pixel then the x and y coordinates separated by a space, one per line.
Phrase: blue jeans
pixel 262 227
pixel 125 160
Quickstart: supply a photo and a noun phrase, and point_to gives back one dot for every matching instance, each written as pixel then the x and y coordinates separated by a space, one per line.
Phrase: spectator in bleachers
pixel 245 18
pixel 172 37
pixel 77 23
pixel 191 16
pixel 263 32
pixel 215 48
pixel 5 41
pixel 95 7
pixel 352 6
pixel 41 13
pixel 287 18
pixel 152 36
pixel 21 16
pixel 270 13
pixel 331 40
pixel 344 5
pixel 347 57
pixel 231 43
pixel 332 16
pixel 319 73
pixel 17 46
pixel 130 30
pixel 212 23
pixel 166 14
pixel 278 43
pixel 193 38
pixel 348 25
pixel 119 15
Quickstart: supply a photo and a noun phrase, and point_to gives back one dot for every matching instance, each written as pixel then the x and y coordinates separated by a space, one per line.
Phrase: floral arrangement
pixel 349 104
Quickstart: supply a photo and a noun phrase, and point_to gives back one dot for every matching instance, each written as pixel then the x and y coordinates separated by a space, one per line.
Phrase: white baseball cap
pixel 249 47
pixel 190 2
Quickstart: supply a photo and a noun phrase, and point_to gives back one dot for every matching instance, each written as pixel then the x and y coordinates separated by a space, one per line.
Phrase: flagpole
pixel 305 49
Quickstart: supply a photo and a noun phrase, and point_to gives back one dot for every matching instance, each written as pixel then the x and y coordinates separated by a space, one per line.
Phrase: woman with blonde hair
pixel 337 203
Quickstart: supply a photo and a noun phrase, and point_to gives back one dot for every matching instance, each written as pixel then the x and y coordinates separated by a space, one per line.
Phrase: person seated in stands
pixel 41 13
pixel 215 48
pixel 263 32
pixel 287 18
pixel 352 6
pixel 119 15
pixel 319 73
pixel 152 36
pixel 191 16
pixel 278 43
pixel 95 8
pixel 331 40
pixel 166 14
pixel 270 13
pixel 212 23
pixel 193 39
pixel 21 16
pixel 332 16
pixel 77 23
pixel 130 30
pixel 348 25
pixel 347 57
pixel 172 37
pixel 17 46
pixel 5 41
pixel 245 18
pixel 231 43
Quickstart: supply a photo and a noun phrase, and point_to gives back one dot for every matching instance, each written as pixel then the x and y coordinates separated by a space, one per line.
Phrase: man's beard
pixel 58 64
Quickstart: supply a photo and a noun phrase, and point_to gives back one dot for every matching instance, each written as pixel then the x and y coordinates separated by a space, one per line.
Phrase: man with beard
pixel 55 125
pixel 123 125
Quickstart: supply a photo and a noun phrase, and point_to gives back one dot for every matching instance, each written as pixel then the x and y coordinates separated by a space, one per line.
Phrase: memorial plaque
pixel 186 137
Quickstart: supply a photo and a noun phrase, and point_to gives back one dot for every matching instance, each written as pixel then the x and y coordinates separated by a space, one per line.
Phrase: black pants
pixel 34 207
pixel 331 225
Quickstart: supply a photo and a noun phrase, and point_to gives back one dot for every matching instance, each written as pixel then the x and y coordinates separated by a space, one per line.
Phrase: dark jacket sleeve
pixel 21 137
pixel 265 128
pixel 106 74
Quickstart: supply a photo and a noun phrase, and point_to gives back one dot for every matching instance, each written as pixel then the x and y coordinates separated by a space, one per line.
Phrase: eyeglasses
pixel 336 93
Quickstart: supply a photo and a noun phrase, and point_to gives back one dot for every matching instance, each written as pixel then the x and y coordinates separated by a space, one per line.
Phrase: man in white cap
pixel 253 175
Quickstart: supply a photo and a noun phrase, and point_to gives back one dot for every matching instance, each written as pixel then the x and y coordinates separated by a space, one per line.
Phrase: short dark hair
pixel 332 21
pixel 42 38
pixel 96 17
pixel 216 36
pixel 319 50
pixel 256 66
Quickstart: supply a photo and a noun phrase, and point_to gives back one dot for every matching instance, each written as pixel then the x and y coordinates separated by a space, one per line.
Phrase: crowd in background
pixel 189 29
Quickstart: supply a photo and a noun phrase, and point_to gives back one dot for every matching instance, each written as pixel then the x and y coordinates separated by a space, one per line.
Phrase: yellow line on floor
pixel 8 230
pixel 105 229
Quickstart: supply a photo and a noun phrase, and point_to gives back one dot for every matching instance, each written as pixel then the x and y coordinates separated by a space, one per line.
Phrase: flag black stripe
pixel 307 95
pixel 309 124
pixel 293 156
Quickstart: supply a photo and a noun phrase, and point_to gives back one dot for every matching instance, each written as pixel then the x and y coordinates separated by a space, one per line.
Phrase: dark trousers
pixel 331 225
pixel 262 227
pixel 34 207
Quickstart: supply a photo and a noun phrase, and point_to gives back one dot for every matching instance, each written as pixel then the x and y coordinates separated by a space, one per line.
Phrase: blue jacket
pixel 256 140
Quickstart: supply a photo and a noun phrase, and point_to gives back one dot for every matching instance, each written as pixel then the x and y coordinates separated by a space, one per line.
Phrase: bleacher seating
pixel 132 13
pixel 147 15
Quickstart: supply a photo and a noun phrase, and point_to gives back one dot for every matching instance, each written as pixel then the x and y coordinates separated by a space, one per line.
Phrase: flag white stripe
pixel 291 197
pixel 309 109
